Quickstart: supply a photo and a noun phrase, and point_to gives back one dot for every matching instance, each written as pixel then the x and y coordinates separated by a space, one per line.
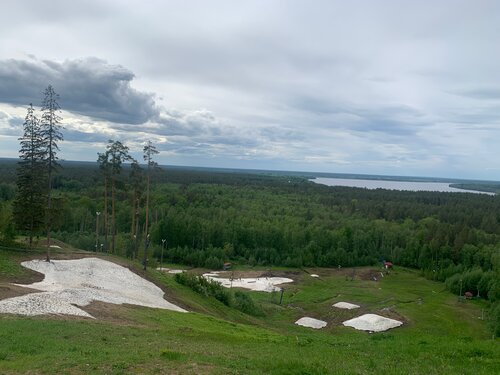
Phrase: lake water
pixel 393 185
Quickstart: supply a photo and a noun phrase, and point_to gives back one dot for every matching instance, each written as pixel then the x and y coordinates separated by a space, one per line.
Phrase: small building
pixel 227 266
pixel 388 265
pixel 468 295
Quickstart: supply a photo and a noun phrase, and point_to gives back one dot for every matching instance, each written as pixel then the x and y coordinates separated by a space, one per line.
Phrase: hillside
pixel 440 335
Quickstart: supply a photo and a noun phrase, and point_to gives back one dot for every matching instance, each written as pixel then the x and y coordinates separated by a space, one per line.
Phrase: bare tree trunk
pixel 146 244
pixel 134 208
pixel 106 212
pixel 113 217
pixel 136 236
pixel 49 203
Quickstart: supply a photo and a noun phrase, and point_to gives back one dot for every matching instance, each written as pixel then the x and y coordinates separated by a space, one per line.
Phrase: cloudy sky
pixel 381 87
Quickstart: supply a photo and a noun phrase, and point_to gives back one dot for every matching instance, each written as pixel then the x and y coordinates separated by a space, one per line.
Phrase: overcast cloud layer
pixel 387 87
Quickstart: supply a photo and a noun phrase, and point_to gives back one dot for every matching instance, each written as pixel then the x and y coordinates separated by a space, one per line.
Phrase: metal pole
pixel 97 230
pixel 161 258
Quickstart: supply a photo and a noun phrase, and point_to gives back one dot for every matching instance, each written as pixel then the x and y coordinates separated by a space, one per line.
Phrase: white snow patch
pixel 259 284
pixel 372 323
pixel 168 270
pixel 81 281
pixel 345 305
pixel 314 275
pixel 175 271
pixel 311 322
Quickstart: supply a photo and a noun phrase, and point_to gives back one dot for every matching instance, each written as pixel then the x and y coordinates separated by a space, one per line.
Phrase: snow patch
pixel 372 323
pixel 311 322
pixel 81 281
pixel 345 305
pixel 175 271
pixel 259 284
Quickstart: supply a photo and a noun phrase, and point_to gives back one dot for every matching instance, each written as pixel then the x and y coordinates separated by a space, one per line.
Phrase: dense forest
pixel 210 217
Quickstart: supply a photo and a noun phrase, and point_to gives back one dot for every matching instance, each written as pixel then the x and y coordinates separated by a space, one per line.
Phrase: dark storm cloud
pixel 90 87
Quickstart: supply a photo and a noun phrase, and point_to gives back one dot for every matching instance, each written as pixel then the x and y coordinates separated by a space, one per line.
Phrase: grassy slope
pixel 441 335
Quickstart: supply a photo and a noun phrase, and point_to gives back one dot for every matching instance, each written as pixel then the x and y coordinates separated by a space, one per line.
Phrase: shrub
pixel 210 288
pixel 201 285
pixel 244 303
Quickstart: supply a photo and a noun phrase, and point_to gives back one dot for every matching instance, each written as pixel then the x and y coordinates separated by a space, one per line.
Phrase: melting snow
pixel 81 281
pixel 311 322
pixel 260 284
pixel 372 323
pixel 345 305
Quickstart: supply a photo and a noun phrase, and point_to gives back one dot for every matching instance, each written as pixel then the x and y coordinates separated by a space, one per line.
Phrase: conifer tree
pixel 50 134
pixel 149 151
pixel 29 205
pixel 117 153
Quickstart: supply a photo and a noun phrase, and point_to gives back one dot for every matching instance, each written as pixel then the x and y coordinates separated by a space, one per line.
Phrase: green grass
pixel 440 334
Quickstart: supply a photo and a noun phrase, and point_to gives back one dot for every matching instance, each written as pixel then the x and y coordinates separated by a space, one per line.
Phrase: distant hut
pixel 227 266
pixel 388 265
pixel 468 295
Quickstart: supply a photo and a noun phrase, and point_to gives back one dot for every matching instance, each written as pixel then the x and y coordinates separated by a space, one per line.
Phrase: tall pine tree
pixel 149 151
pixel 117 154
pixel 50 133
pixel 29 205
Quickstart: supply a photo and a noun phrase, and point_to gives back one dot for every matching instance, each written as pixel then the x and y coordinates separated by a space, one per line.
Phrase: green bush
pixel 210 288
pixel 205 287
pixel 244 303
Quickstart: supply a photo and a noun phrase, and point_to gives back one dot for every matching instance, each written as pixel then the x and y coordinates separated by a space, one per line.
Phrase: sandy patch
pixel 372 323
pixel 311 322
pixel 345 305
pixel 259 284
pixel 81 281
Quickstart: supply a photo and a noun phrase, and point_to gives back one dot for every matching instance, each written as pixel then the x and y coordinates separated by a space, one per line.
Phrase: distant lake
pixel 393 185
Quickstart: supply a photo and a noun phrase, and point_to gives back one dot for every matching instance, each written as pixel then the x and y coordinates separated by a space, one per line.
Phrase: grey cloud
pixel 71 135
pixel 486 93
pixel 16 122
pixel 90 87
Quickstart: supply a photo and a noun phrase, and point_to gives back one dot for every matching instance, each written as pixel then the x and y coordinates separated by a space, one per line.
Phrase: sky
pixel 402 87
